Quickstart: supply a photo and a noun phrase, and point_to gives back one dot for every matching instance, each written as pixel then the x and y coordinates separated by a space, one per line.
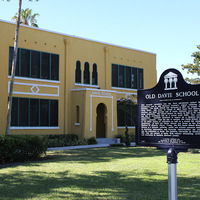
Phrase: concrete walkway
pixel 82 147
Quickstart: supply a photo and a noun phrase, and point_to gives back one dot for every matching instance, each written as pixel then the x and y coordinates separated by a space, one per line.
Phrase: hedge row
pixel 21 147
pixel 18 148
pixel 67 140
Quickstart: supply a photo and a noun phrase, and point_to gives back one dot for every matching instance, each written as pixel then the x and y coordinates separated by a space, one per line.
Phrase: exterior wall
pixel 66 91
pixel 40 41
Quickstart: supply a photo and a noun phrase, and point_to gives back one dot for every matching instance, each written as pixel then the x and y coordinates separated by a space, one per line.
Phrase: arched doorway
pixel 101 121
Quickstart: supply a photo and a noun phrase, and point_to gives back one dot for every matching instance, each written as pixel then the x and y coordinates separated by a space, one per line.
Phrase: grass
pixel 109 173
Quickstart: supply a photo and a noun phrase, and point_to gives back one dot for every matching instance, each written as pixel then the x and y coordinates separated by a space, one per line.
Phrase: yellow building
pixel 66 84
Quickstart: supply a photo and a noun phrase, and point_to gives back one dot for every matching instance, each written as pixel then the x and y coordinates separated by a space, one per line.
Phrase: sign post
pixel 172 174
pixel 169 119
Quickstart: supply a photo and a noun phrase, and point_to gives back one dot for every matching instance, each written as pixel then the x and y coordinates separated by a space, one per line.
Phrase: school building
pixel 66 84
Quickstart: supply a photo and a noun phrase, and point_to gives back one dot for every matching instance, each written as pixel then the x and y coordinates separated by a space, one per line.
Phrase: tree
pixel 128 106
pixel 14 61
pixel 27 17
pixel 193 68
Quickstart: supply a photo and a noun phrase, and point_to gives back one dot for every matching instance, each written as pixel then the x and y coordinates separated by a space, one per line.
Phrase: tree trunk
pixel 14 61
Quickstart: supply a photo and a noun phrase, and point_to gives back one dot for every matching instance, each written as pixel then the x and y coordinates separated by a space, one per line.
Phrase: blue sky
pixel 169 28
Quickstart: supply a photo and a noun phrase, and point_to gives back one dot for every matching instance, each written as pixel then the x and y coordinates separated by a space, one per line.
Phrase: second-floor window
pixel 35 64
pixel 78 72
pixel 94 75
pixel 86 74
pixel 127 77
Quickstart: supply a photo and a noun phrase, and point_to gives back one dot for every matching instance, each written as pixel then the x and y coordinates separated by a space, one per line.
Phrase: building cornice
pixel 82 38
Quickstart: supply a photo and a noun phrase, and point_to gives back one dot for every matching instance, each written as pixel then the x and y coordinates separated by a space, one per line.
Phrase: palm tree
pixel 14 61
pixel 27 17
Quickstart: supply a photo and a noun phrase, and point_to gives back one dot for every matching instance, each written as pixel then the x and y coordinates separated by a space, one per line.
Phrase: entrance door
pixel 101 121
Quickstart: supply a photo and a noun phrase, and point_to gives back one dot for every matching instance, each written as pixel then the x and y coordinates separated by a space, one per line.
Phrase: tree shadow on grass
pixel 101 185
pixel 106 154
pixel 94 155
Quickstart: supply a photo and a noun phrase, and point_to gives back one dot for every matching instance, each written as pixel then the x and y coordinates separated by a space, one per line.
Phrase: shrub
pixel 121 137
pixel 21 147
pixel 62 140
pixel 194 150
pixel 82 142
pixel 92 140
pixel 117 145
pixel 132 137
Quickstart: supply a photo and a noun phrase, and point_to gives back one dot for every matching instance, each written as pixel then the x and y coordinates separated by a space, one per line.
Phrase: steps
pixel 107 140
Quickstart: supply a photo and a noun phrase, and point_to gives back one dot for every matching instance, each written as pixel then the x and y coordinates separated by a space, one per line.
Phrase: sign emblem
pixel 170 81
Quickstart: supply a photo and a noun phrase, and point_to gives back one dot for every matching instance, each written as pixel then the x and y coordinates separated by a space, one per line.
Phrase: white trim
pixel 123 127
pixel 86 85
pixel 76 124
pixel 111 97
pixel 89 89
pixel 129 89
pixel 35 93
pixel 35 79
pixel 34 127
pixel 73 36
pixel 91 112
pixel 123 99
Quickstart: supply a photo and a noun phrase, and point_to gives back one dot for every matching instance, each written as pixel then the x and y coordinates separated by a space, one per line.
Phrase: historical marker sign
pixel 169 113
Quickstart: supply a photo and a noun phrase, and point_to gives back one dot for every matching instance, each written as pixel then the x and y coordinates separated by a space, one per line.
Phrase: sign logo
pixel 170 81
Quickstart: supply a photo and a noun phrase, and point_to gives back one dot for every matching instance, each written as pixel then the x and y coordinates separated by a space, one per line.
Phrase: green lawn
pixel 106 173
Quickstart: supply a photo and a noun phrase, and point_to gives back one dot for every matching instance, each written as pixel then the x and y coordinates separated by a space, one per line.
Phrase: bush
pixel 121 137
pixel 92 140
pixel 117 145
pixel 62 140
pixel 194 150
pixel 132 137
pixel 82 142
pixel 21 147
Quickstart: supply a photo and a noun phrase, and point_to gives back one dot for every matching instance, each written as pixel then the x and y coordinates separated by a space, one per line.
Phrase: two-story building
pixel 67 84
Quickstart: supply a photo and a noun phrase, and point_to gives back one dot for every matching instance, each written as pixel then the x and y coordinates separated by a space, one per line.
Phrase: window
pixel 44 112
pixel 126 113
pixel 54 67
pixel 78 72
pixel 23 112
pixel 34 112
pixel 15 111
pixel 140 79
pixel 35 64
pixel 25 63
pixel 121 82
pixel 94 75
pixel 11 52
pixel 120 115
pixel 53 113
pixel 45 70
pixel 127 77
pixel 86 73
pixel 77 114
pixel 115 75
pixel 134 78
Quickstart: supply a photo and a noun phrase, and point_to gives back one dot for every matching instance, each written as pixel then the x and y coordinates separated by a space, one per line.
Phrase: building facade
pixel 66 84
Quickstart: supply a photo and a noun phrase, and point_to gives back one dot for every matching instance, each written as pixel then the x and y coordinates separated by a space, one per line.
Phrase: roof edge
pixel 78 37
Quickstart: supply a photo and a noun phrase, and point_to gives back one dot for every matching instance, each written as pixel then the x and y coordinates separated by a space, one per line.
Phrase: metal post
pixel 172 174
